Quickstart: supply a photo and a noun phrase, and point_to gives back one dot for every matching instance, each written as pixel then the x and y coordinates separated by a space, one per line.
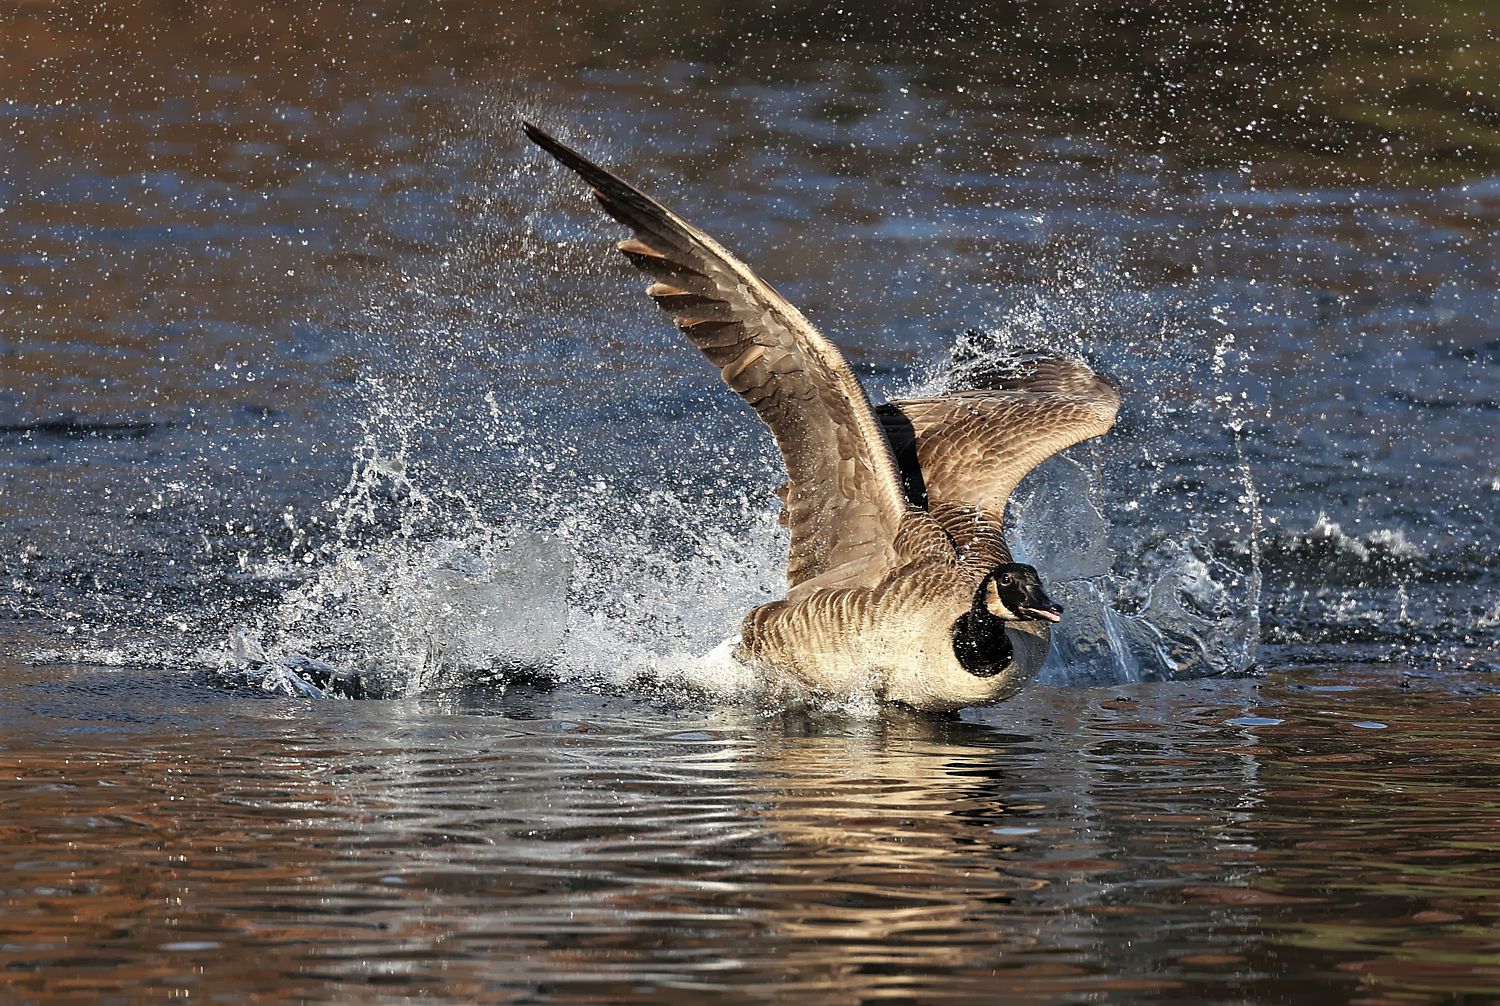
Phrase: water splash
pixel 1168 610
pixel 410 616
pixel 411 590
pixel 1169 586
pixel 420 586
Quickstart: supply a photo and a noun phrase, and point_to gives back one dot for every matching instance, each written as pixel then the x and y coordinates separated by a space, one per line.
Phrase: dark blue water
pixel 238 270
pixel 316 378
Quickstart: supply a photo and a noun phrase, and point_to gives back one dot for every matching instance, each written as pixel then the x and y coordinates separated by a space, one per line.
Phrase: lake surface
pixel 1329 835
pixel 317 381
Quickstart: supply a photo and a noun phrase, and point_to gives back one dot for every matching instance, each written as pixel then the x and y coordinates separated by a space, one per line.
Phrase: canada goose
pixel 899 576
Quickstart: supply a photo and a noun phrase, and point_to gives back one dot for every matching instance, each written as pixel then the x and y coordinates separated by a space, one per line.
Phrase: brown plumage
pixel 898 565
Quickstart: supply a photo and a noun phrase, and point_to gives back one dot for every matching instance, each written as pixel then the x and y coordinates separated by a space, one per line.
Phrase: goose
pixel 899 579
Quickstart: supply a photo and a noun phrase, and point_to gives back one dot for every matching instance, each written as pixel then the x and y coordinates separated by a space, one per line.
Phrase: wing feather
pixel 845 505
pixel 963 454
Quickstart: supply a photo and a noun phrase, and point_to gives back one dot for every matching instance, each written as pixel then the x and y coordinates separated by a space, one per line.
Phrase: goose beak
pixel 1041 606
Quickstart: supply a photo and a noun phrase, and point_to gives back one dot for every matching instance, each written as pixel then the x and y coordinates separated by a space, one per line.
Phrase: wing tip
pixel 538 135
pixel 551 144
pixel 1040 369
pixel 621 200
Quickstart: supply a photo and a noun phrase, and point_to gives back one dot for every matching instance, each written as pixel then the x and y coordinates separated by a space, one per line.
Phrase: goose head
pixel 982 642
pixel 1014 592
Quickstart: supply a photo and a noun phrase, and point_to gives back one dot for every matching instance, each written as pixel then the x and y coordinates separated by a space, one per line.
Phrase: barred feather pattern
pixel 896 515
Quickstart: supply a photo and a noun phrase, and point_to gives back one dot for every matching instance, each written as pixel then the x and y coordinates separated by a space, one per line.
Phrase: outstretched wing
pixel 844 503
pixel 961 455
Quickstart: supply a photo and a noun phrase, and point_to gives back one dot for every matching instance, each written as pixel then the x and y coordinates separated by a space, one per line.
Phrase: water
pixel 1217 841
pixel 316 381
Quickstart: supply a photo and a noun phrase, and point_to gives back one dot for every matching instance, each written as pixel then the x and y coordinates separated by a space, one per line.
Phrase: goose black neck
pixel 980 643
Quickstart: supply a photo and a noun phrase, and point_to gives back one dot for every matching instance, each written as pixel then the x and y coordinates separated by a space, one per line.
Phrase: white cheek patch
pixel 993 603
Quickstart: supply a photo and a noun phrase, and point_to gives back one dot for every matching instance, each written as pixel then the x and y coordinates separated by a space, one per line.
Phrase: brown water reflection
pixel 1222 842
pixel 1330 85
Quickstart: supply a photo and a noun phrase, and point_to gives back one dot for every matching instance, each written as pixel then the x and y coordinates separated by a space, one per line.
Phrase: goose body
pixel 899 578
pixel 896 638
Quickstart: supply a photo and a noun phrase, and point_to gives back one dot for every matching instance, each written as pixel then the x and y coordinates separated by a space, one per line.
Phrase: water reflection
pixel 563 848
